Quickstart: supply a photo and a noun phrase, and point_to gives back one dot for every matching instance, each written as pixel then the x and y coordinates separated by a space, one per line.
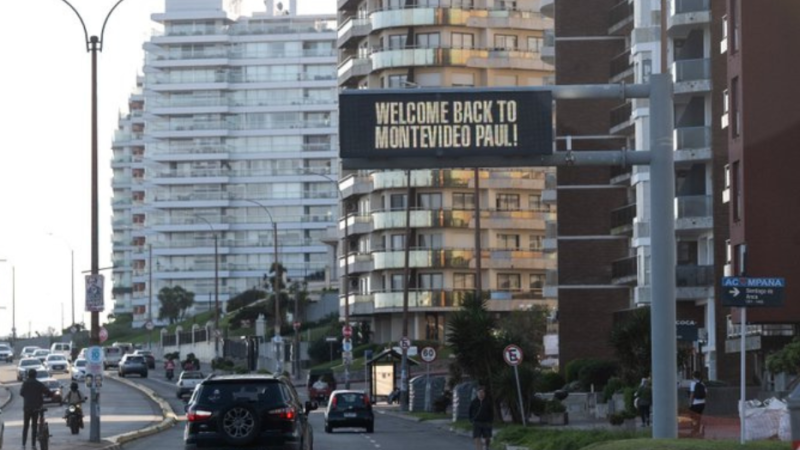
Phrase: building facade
pixel 470 43
pixel 231 156
pixel 605 212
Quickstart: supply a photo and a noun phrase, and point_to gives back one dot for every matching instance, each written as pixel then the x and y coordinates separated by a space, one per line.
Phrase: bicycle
pixel 43 433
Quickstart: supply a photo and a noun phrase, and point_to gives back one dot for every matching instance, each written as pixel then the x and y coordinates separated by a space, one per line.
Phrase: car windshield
pixel 52 384
pixel 41 352
pixel 80 363
pixel 4 348
pixel 192 376
pixel 135 359
pixel 29 362
pixel 42 374
pixel 59 358
pixel 347 400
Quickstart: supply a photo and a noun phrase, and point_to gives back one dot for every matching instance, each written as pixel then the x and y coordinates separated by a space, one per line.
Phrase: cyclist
pixel 32 393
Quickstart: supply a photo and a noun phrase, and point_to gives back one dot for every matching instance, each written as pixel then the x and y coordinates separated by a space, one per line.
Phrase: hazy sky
pixel 45 155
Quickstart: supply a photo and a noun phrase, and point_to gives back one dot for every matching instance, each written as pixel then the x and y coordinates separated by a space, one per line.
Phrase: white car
pixel 188 380
pixel 56 363
pixel 6 353
pixel 79 370
pixel 27 352
pixel 25 364
pixel 41 354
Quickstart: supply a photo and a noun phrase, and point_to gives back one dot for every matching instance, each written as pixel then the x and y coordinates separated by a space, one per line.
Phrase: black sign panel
pixel 444 123
pixel 745 291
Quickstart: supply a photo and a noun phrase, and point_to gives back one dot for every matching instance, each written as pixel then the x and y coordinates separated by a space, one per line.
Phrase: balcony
pixel 621 68
pixel 356 224
pixel 550 193
pixel 354 67
pixel 693 213
pixel 694 282
pixel 420 299
pixel 360 305
pixel 624 271
pixel 447 218
pixel 688 15
pixel 424 258
pixel 351 30
pixel 550 289
pixel 622 219
pixel 692 76
pixel 641 232
pixel 549 47
pixel 462 179
pixel 548 8
pixel 357 263
pixel 692 144
pixel 442 14
pixel 355 185
pixel 550 242
pixel 495 58
pixel 621 119
pixel 620 18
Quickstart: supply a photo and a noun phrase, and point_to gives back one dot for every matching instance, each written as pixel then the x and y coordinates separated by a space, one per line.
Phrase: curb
pixel 10 397
pixel 169 418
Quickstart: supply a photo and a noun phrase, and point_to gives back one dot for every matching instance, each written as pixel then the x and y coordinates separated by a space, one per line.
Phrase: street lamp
pixel 94 44
pixel 13 302
pixel 346 289
pixel 276 288
pixel 216 285
pixel 71 273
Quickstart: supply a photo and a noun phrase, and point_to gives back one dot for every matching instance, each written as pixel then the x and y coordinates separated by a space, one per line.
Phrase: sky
pixel 45 154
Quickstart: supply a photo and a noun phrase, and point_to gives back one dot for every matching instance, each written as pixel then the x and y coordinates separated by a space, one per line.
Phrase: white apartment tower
pixel 442 43
pixel 233 135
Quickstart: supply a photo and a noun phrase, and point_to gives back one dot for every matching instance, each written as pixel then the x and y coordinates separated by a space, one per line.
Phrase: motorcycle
pixel 170 374
pixel 74 417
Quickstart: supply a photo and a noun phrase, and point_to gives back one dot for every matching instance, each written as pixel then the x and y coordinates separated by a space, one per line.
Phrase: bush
pixel 240 370
pixel 538 405
pixel 549 382
pixel 554 407
pixel 222 364
pixel 597 373
pixel 613 386
pixel 573 368
pixel 616 419
pixel 245 298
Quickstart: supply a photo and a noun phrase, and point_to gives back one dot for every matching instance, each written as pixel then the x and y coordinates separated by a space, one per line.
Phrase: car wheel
pixel 239 424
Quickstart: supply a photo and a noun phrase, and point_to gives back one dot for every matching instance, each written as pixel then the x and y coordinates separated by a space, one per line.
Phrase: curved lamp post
pixel 346 288
pixel 13 302
pixel 216 285
pixel 71 272
pixel 276 287
pixel 94 44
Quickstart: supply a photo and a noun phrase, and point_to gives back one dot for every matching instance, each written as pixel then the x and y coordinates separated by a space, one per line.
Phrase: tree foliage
pixel 247 297
pixel 174 303
pixel 632 345
pixel 786 359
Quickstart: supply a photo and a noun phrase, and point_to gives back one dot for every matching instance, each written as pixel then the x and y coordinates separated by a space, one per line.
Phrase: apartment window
pixel 735 123
pixel 738 197
pixel 508 241
pixel 726 105
pixel 506 4
pixel 534 44
pixel 397 201
pixel 463 200
pixel 462 79
pixel 430 241
pixel 462 40
pixel 430 281
pixel 535 202
pixel 733 22
pixel 741 259
pixel 508 281
pixel 463 281
pixel 398 241
pixel 395 81
pixel 396 41
pixel 728 252
pixel 536 281
pixel 535 242
pixel 507 202
pixel 432 326
pixel 429 201
pixel 505 42
pixel 427 40
pixel 397 282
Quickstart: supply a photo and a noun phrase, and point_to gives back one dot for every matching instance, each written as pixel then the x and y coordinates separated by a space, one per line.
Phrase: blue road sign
pixel 747 291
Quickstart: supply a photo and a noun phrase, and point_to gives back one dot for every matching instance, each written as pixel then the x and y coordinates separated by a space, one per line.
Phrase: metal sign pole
pixel 519 396
pixel 743 349
pixel 428 388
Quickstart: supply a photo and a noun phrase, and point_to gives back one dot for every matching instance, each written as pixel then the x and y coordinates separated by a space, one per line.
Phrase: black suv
pixel 239 410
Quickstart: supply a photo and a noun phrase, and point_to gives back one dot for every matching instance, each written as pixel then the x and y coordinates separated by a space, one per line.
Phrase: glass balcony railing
pixel 623 268
pixel 384 58
pixel 694 275
pixel 623 217
pixel 688 206
pixel 421 299
pixel 690 6
pixel 691 70
pixel 686 138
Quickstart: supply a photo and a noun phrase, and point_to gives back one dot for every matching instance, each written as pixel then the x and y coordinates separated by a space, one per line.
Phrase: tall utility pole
pixel 216 285
pixel 404 340
pixel 276 287
pixel 149 296
pixel 13 303
pixel 94 44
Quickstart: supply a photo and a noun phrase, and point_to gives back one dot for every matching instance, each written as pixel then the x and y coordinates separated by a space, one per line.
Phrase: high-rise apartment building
pixel 234 132
pixel 442 43
pixel 604 213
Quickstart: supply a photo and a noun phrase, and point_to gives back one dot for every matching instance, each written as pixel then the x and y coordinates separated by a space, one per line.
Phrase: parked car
pixel 148 356
pixel 27 351
pixel 132 364
pixel 347 409
pixel 41 354
pixel 78 372
pixel 112 357
pixel 6 353
pixel 56 388
pixel 56 363
pixel 25 364
pixel 239 410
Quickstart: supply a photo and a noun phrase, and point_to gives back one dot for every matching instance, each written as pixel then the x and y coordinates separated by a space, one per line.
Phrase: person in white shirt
pixel 697 401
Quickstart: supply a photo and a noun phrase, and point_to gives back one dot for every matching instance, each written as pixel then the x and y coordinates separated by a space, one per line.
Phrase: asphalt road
pixel 122 409
pixel 391 432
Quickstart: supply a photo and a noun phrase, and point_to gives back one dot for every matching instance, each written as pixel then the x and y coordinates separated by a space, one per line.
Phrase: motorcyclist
pixel 169 367
pixel 74 397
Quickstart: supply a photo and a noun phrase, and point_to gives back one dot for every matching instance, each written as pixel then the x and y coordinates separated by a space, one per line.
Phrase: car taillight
pixel 284 413
pixel 197 415
pixel 366 400
pixel 333 402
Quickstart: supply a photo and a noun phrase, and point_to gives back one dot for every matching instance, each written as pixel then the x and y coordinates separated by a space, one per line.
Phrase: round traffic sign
pixel 347 345
pixel 102 334
pixel 347 331
pixel 405 343
pixel 428 354
pixel 149 324
pixel 95 355
pixel 512 355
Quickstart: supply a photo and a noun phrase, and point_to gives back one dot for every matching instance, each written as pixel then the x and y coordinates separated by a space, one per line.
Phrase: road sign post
pixel 428 355
pixel 513 357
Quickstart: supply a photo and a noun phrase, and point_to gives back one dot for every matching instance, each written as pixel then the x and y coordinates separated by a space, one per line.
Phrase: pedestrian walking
pixel 644 400
pixel 697 401
pixel 32 392
pixel 481 414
